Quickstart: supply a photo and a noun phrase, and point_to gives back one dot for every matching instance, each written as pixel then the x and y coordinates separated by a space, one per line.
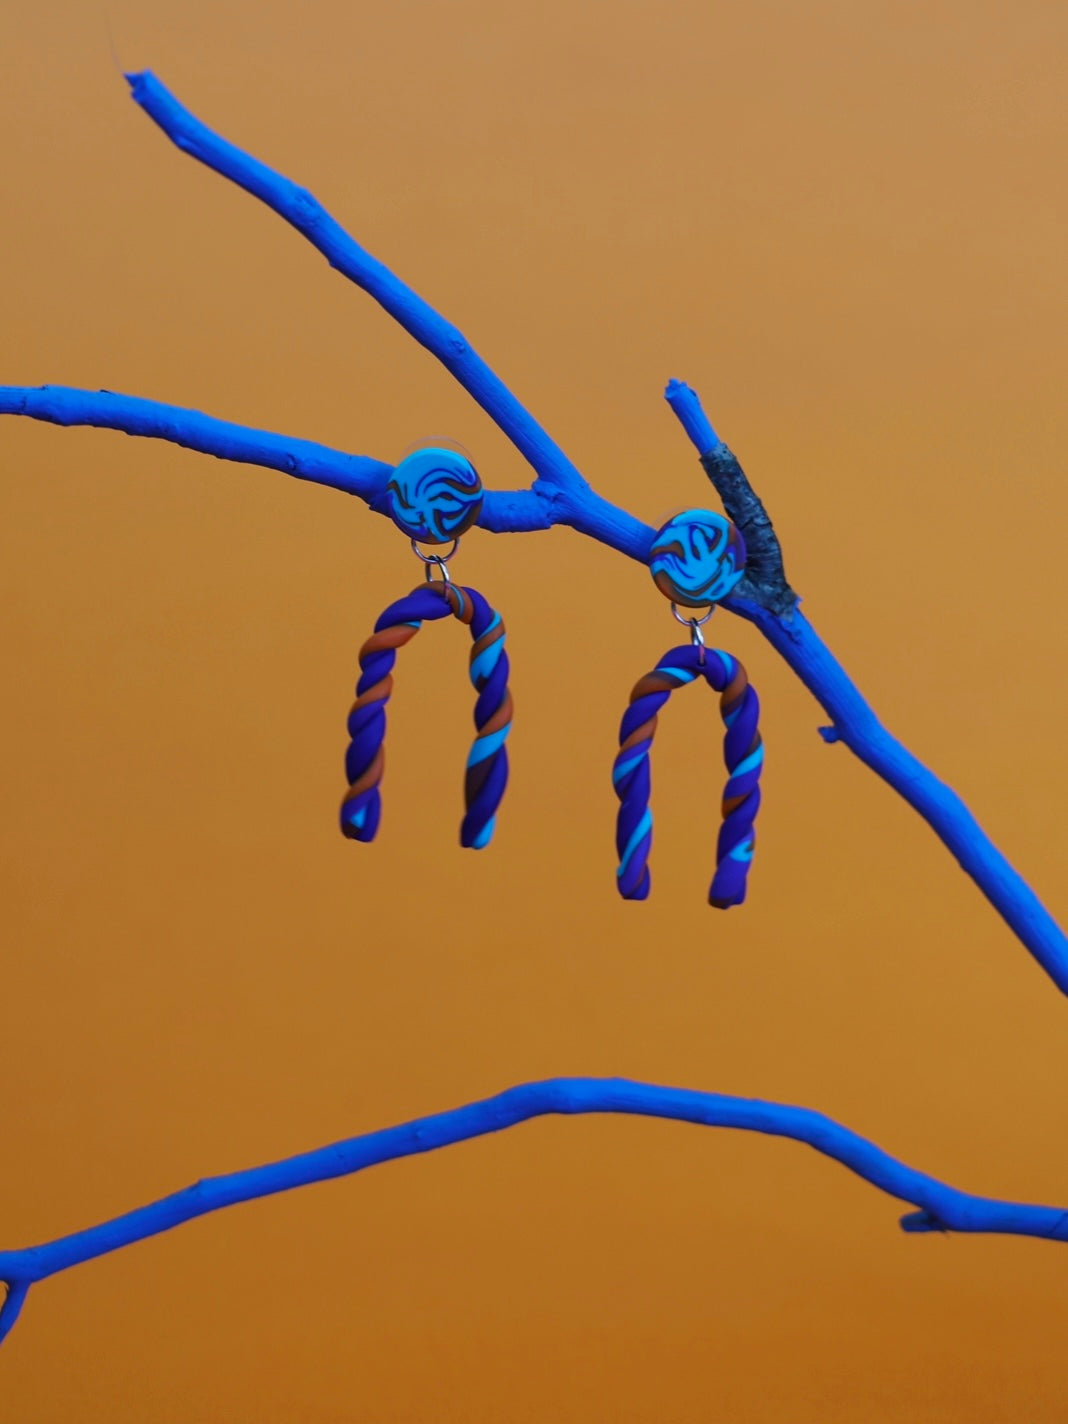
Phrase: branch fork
pixel 558 495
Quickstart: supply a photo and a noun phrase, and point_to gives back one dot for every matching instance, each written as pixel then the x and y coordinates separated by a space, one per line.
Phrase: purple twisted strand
pixel 487 764
pixel 743 752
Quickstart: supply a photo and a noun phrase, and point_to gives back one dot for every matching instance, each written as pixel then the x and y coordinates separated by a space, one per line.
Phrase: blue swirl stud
pixel 697 558
pixel 434 495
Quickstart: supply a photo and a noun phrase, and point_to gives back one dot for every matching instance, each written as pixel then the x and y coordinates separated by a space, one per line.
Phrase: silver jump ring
pixel 691 622
pixel 428 572
pixel 440 559
pixel 697 638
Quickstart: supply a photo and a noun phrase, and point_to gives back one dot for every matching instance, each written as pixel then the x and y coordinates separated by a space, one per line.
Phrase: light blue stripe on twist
pixel 487 660
pixel 485 835
pixel 485 746
pixel 726 660
pixel 624 767
pixel 681 675
pixel 752 760
pixel 641 830
pixel 743 851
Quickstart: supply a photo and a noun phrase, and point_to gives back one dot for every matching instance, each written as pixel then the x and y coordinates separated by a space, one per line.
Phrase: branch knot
pixel 765 578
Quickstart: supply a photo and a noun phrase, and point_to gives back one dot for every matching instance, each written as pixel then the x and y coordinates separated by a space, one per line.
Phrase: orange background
pixel 843 224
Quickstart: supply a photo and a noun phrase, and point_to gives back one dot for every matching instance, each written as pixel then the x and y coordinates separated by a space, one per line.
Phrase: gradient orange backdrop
pixel 843 224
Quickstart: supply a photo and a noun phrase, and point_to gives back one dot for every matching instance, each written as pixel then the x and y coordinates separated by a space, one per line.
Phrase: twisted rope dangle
pixel 743 753
pixel 487 764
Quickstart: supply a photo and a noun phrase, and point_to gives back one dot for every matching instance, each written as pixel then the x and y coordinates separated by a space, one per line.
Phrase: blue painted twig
pixel 304 212
pixel 559 495
pixel 939 1207
pixel 503 510
pixel 856 724
pixel 65 405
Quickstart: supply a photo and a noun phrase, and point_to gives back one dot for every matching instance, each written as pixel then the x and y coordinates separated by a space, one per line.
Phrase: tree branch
pixel 310 218
pixel 559 495
pixel 504 511
pixel 765 579
pixel 515 511
pixel 766 590
pixel 940 1207
pixel 65 405
pixel 856 724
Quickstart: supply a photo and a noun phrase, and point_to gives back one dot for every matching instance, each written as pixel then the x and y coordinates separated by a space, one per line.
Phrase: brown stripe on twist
pixel 734 689
pixel 371 777
pixel 731 802
pixel 474 779
pixel 647 729
pixel 394 637
pixel 654 682
pixel 381 692
pixel 486 639
pixel 500 718
pixel 475 776
pixel 463 608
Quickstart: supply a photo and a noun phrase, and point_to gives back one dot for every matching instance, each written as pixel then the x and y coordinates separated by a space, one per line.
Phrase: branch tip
pixel 14 1300
pixel 765 579
pixel 684 401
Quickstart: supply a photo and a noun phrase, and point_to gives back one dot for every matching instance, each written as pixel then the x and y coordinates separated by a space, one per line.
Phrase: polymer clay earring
pixel 434 496
pixel 696 559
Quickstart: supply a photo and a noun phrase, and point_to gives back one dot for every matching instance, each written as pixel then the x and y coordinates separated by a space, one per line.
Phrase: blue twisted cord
pixel 487 764
pixel 743 753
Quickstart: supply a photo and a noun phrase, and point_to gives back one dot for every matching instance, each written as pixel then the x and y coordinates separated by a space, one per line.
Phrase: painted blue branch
pixel 64 405
pixel 310 218
pixel 940 1207
pixel 503 510
pixel 856 725
pixel 939 805
pixel 523 510
pixel 686 404
pixel 559 496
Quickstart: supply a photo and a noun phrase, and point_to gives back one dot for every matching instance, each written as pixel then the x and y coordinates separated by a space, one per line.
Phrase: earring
pixel 696 559
pixel 434 496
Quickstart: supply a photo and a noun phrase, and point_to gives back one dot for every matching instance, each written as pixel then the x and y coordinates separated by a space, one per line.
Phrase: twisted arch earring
pixel 435 495
pixel 696 559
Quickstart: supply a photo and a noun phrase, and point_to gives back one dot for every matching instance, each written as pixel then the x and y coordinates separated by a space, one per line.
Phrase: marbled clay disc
pixel 697 558
pixel 434 495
